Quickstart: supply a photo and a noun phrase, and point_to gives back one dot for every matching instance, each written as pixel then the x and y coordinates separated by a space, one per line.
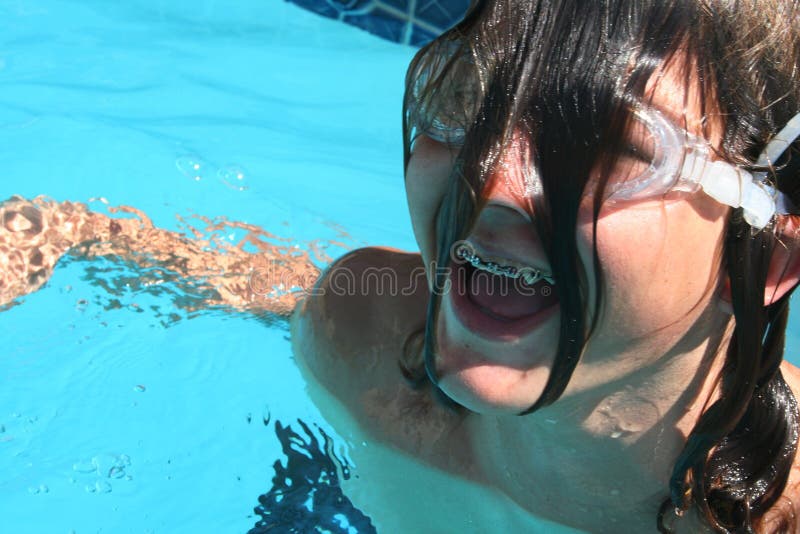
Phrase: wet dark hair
pixel 565 73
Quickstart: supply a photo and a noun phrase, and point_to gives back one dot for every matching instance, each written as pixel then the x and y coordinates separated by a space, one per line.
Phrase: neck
pixel 607 451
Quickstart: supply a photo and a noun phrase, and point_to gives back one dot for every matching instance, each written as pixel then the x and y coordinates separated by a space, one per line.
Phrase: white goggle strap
pixel 737 187
pixel 778 145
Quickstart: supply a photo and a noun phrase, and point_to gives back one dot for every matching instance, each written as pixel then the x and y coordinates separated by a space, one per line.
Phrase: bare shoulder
pixel 368 299
pixel 349 335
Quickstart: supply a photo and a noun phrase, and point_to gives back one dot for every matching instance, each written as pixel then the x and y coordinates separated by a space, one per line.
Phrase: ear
pixel 784 267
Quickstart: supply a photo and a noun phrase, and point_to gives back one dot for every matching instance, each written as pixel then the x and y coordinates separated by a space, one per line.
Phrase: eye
pixel 445 97
pixel 635 161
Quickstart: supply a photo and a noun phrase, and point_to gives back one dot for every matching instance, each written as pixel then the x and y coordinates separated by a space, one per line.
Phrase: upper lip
pixel 516 242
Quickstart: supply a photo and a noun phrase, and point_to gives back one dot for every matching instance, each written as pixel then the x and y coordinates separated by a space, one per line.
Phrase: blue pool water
pixel 111 421
pixel 119 411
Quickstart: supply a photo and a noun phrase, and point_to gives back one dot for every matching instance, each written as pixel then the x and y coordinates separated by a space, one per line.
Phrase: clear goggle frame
pixel 680 161
pixel 676 161
pixel 673 159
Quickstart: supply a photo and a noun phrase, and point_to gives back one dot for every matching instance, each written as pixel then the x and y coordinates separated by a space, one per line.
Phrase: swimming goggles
pixel 663 157
pixel 675 160
pixel 667 158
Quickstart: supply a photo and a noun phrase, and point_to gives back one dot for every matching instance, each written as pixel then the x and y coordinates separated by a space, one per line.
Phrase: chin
pixel 494 389
pixel 497 379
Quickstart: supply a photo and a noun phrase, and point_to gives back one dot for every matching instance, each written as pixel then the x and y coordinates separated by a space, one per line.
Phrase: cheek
pixel 660 264
pixel 427 178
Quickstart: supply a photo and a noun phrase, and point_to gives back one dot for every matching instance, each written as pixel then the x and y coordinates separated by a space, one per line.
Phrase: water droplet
pixel 33 490
pixel 139 388
pixel 614 492
pixel 616 434
pixel 101 486
pixel 43 488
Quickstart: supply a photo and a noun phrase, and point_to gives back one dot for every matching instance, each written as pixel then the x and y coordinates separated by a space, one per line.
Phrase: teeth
pixel 529 275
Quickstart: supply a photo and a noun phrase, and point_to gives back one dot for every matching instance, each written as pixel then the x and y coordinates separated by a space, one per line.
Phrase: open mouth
pixel 495 305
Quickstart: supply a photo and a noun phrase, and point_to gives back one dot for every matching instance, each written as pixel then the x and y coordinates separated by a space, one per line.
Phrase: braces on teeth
pixel 529 275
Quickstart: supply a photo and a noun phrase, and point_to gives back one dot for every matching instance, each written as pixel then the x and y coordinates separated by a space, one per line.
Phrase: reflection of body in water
pixel 196 274
pixel 261 274
pixel 36 234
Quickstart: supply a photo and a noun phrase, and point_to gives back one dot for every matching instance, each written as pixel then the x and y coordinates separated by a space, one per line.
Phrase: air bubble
pixel 233 176
pixel 84 467
pixel 191 166
pixel 116 472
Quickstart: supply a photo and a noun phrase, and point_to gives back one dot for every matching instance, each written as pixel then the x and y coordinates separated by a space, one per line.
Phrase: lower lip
pixel 491 327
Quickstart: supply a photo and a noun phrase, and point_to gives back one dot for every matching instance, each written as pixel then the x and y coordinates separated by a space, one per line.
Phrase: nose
pixel 514 180
pixel 504 225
